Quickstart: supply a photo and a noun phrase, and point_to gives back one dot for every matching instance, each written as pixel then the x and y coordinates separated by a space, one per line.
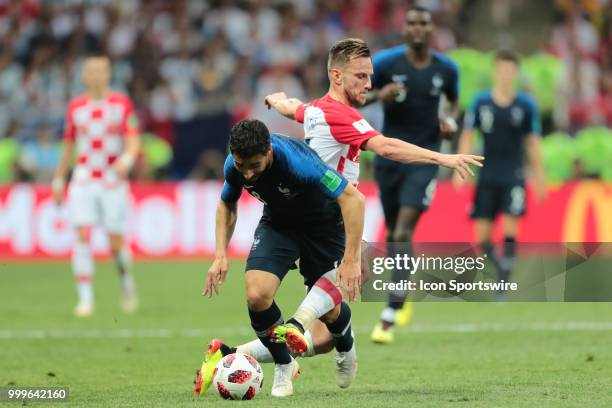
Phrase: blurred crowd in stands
pixel 582 39
pixel 195 67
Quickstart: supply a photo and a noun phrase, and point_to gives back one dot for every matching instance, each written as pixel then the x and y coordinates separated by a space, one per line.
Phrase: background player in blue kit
pixel 410 80
pixel 509 122
pixel 311 213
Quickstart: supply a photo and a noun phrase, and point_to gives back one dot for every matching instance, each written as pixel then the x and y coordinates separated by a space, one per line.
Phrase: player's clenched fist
pixel 216 276
pixel 272 99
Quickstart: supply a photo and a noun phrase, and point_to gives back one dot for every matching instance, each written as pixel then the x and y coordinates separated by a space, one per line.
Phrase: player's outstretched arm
pixel 534 154
pixel 59 179
pixel 227 214
pixel 284 105
pixel 352 204
pixel 403 152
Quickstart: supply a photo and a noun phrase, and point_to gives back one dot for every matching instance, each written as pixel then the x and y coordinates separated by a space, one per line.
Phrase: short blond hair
pixel 345 50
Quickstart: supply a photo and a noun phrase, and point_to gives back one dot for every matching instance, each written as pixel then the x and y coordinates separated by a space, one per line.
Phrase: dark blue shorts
pixel 494 198
pixel 276 249
pixel 405 185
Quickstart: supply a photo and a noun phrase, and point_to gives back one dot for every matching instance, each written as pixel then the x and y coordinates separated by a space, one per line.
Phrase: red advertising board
pixel 177 219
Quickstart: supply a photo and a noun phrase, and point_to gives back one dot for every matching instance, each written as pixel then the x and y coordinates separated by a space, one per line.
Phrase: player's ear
pixel 336 76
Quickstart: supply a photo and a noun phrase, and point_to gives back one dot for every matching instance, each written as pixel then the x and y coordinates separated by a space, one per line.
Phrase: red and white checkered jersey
pixel 98 128
pixel 336 132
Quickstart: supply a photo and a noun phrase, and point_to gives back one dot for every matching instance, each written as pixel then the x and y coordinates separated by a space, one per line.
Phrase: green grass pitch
pixel 453 354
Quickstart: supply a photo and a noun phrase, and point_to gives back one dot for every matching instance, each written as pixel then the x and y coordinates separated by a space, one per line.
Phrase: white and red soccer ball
pixel 238 377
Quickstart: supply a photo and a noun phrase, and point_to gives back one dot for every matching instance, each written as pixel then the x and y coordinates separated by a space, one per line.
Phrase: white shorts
pixel 95 204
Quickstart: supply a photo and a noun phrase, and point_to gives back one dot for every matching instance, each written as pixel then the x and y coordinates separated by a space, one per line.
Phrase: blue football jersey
pixel 414 115
pixel 298 188
pixel 504 129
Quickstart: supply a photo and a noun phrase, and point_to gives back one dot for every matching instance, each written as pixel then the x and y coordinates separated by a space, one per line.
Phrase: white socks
pixel 388 315
pixel 83 269
pixel 259 352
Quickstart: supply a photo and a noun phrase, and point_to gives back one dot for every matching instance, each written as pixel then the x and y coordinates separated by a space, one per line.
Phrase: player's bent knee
pixel 260 289
pixel 83 234
pixel 116 248
pixel 259 299
pixel 116 242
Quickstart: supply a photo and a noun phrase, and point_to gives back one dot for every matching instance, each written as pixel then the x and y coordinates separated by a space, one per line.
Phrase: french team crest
pixel 437 81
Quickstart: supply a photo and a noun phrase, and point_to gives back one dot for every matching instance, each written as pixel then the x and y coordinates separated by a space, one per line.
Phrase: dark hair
pixel 345 50
pixel 507 55
pixel 96 51
pixel 248 138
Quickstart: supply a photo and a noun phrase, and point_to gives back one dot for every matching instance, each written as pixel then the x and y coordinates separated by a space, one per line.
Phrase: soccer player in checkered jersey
pixel 337 132
pixel 101 124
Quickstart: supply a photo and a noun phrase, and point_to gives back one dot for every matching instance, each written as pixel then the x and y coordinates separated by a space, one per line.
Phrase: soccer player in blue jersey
pixel 509 122
pixel 311 213
pixel 410 81
pixel 336 132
